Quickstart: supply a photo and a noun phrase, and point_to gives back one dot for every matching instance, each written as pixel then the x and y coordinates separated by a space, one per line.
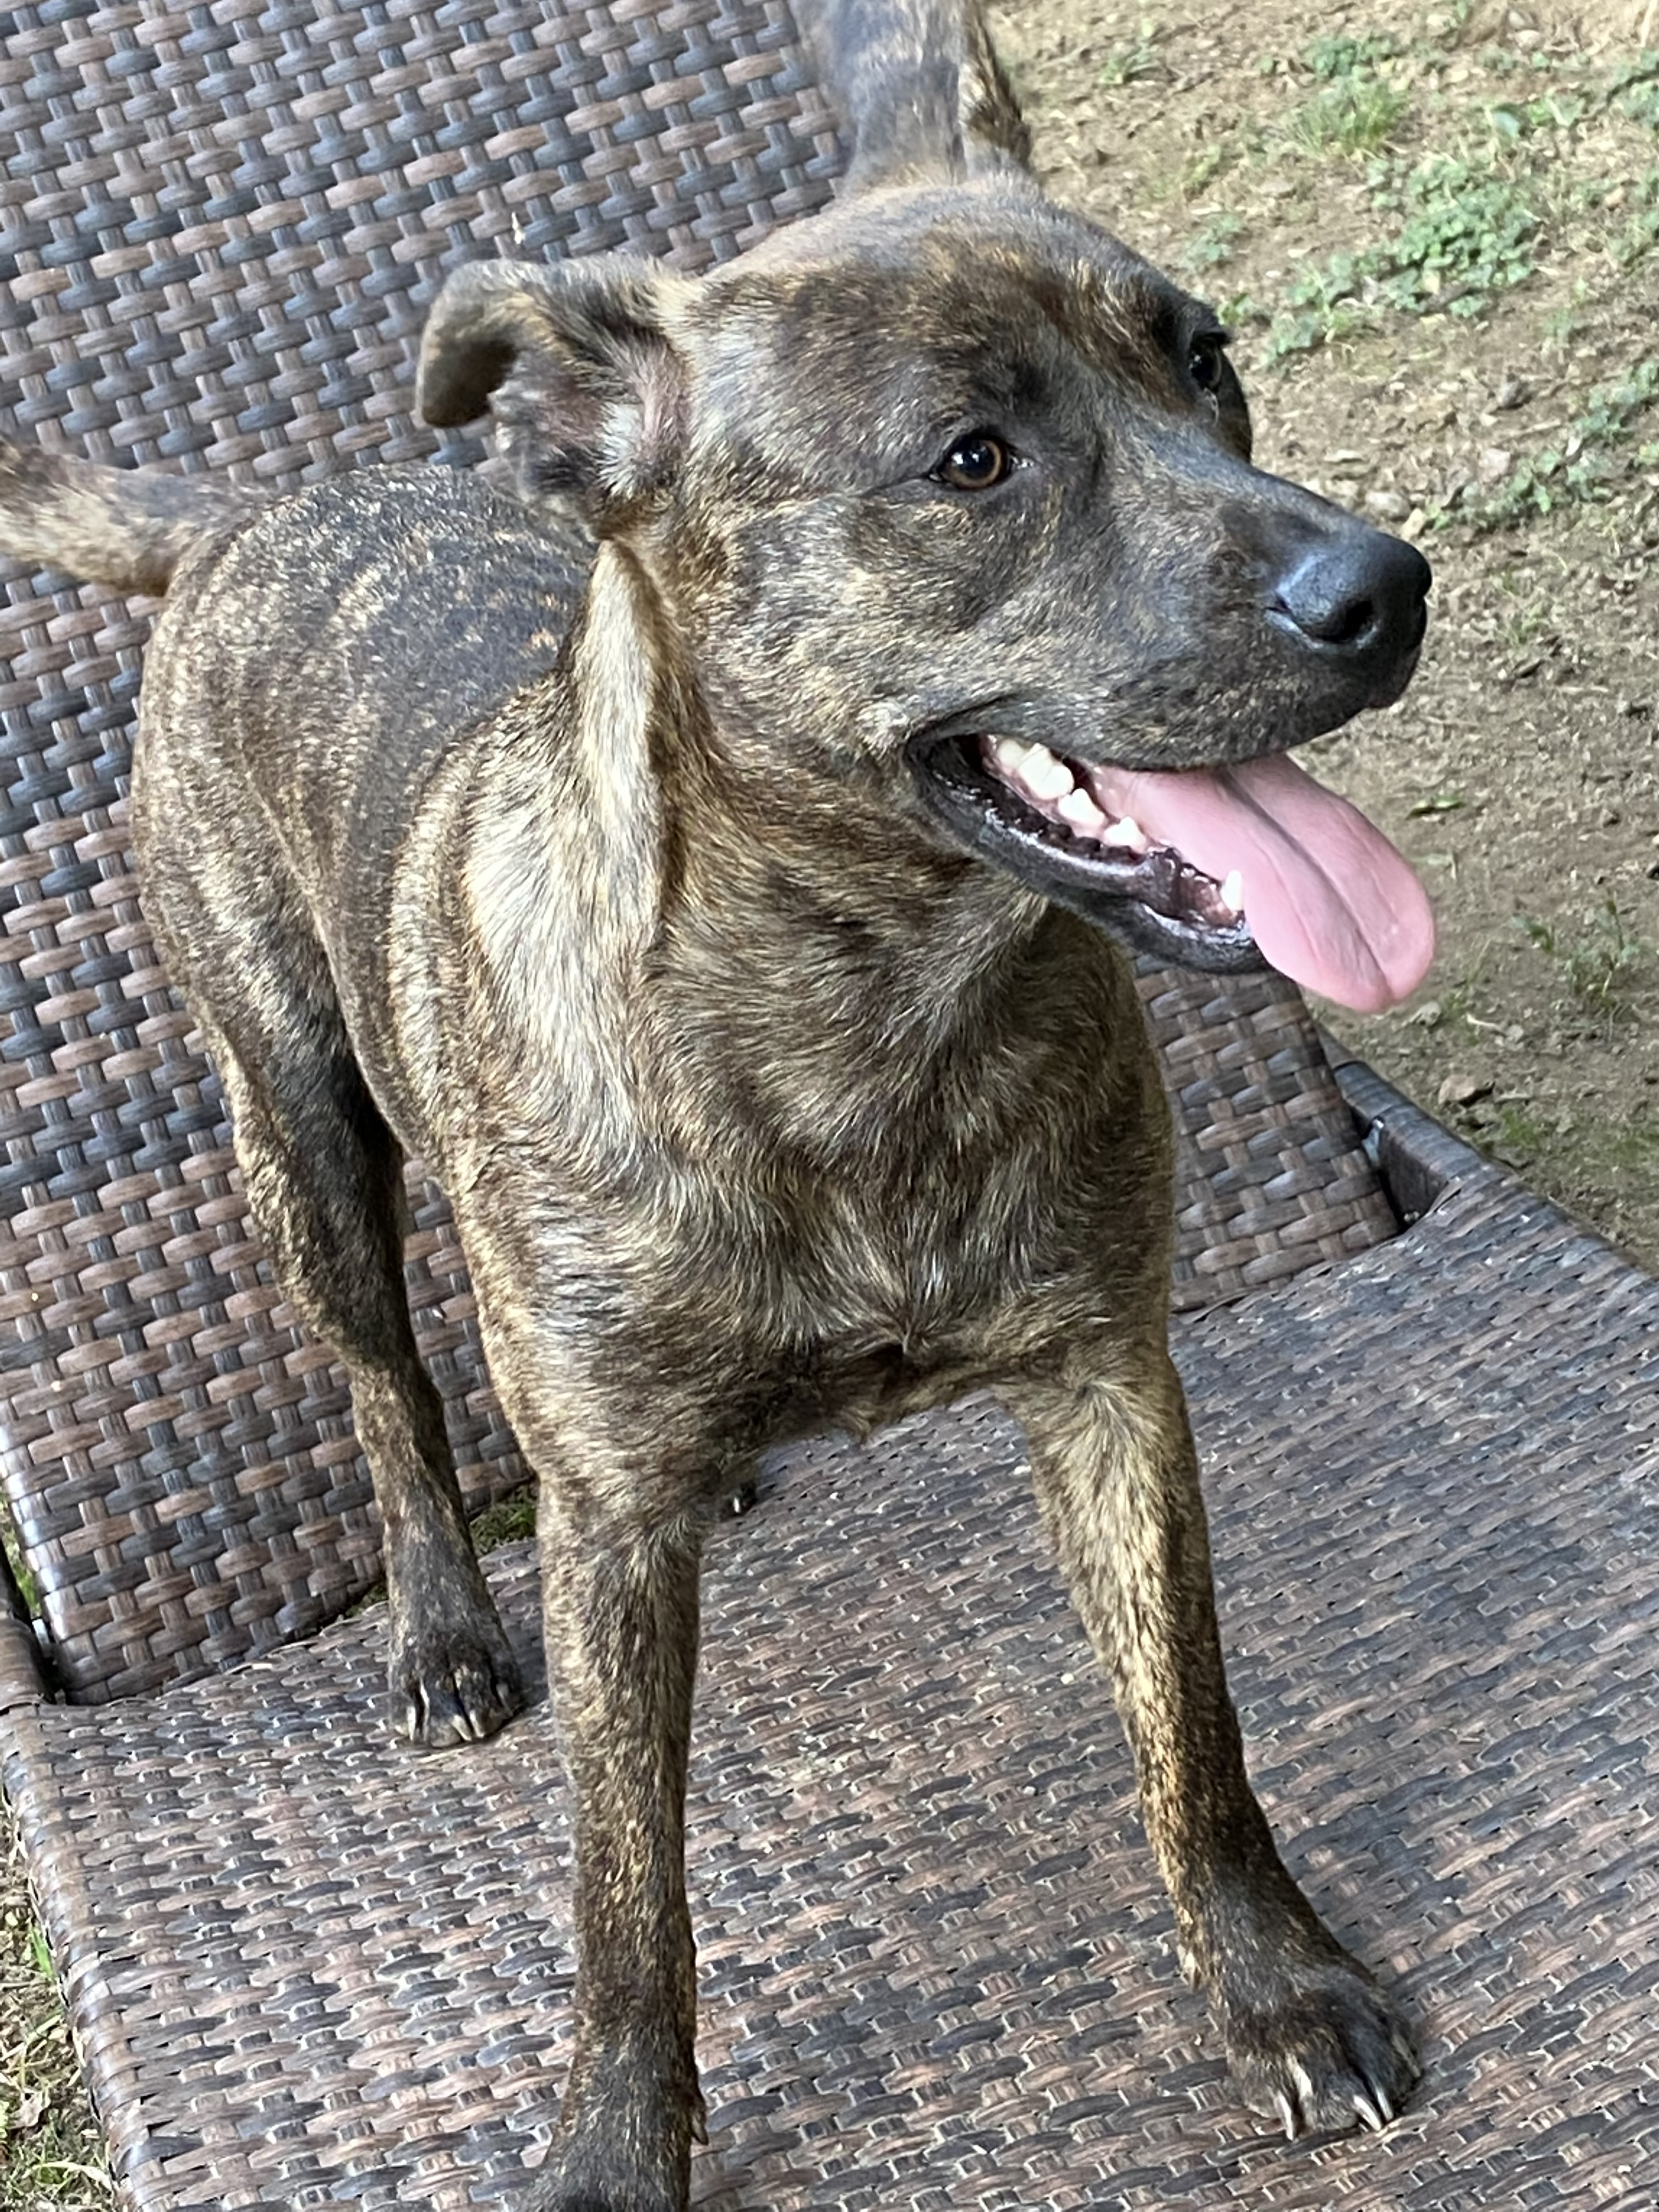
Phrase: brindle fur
pixel 592 870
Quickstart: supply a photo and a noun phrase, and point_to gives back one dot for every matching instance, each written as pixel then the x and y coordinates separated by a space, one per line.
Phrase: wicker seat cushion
pixel 310 1968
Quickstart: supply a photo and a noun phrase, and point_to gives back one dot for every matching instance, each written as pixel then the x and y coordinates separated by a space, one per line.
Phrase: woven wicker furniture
pixel 307 1968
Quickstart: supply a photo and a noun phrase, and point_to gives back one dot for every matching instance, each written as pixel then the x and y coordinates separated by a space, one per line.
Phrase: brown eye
pixel 975 462
pixel 1206 361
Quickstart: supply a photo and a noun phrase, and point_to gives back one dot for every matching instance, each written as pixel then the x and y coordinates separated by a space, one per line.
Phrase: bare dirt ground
pixel 1436 232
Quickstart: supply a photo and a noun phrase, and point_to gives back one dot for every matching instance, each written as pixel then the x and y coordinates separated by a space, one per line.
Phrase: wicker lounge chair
pixel 306 1968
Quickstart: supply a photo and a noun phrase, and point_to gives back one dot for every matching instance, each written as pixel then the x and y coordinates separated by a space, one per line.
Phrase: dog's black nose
pixel 1360 595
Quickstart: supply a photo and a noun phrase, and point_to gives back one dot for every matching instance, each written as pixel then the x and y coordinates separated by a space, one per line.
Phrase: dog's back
pixel 301 649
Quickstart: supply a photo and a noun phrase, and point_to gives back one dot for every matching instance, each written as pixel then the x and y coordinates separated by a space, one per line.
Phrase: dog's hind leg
pixel 325 1184
pixel 324 1179
pixel 1308 2035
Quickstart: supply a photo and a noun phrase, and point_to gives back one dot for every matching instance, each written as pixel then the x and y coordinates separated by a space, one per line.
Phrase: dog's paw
pixel 575 2180
pixel 454 1683
pixel 1317 2046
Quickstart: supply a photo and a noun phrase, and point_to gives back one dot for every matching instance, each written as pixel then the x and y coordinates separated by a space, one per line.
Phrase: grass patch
pixel 1599 453
pixel 22 1574
pixel 1356 116
pixel 1464 232
pixel 1596 969
pixel 49 2152
pixel 1550 169
pixel 506 1522
pixel 1573 1157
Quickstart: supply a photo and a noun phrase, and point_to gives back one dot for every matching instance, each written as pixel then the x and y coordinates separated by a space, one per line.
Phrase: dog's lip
pixel 1180 900
pixel 1330 902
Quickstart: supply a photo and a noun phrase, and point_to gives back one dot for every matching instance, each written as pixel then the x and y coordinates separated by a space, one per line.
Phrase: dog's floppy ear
pixel 572 361
pixel 921 90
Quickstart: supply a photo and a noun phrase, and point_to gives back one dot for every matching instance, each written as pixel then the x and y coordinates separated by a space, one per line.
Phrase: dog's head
pixel 951 494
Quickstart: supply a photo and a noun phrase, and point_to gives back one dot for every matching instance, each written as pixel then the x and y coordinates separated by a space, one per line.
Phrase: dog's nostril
pixel 1360 591
pixel 1337 621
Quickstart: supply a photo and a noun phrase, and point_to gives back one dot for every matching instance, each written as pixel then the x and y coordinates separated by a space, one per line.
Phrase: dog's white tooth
pixel 1080 811
pixel 1044 775
pixel 1232 893
pixel 1010 754
pixel 1127 832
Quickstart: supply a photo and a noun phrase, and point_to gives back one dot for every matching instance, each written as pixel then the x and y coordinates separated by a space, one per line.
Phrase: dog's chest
pixel 866 1281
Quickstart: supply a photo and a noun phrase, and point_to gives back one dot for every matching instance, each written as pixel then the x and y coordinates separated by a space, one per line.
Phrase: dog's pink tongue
pixel 1327 897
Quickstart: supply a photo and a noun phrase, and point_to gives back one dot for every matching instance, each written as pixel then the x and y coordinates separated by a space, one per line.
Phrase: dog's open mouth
pixel 1220 868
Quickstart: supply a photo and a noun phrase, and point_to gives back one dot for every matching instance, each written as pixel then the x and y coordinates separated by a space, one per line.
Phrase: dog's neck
pixel 796 962
pixel 734 860
pixel 838 976
pixel 819 958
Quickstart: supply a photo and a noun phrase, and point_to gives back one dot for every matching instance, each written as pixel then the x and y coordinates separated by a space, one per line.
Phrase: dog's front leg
pixel 620 1606
pixel 1308 2033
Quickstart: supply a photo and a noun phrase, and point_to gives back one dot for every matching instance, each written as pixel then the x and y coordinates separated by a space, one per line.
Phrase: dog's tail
pixel 126 527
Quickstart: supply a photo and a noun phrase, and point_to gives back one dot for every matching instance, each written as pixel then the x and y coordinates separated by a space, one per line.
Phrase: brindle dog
pixel 688 896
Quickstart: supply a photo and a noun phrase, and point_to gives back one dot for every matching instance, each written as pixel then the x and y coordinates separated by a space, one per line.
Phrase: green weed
pixel 1243 143
pixel 1456 22
pixel 1598 453
pixel 1355 116
pixel 1213 246
pixel 1596 969
pixel 1209 163
pixel 1466 232
pixel 1131 63
pixel 1511 121
pixel 1333 58
pixel 1634 91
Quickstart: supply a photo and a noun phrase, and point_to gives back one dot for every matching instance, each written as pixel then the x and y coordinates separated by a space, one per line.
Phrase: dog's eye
pixel 1206 361
pixel 975 462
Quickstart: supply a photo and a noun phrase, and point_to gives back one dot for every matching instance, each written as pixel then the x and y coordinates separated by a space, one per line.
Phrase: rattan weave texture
pixel 220 227
pixel 309 1969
